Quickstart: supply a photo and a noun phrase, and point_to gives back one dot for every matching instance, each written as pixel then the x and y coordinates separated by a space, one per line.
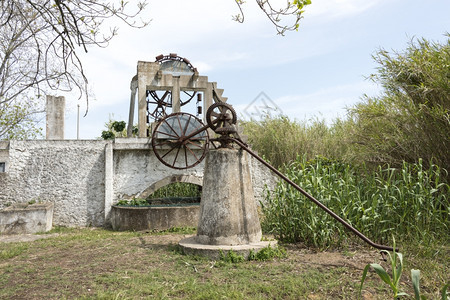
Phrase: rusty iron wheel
pixel 180 141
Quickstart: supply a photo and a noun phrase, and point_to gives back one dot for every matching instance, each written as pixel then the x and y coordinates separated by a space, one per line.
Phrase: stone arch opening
pixel 197 180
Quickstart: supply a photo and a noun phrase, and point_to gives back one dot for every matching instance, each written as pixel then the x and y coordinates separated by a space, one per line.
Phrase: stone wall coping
pixel 132 144
pixel 26 206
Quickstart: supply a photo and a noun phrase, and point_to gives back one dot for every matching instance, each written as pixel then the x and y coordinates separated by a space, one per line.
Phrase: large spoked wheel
pixel 220 115
pixel 174 143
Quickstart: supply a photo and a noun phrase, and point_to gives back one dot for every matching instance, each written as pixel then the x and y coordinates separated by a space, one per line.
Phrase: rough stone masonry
pixel 83 178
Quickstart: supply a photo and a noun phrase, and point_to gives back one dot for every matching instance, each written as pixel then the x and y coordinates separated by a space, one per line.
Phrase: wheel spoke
pixel 165 133
pixel 186 126
pixel 176 156
pixel 185 157
pixel 192 152
pixel 170 150
pixel 214 114
pixel 173 130
pixel 195 144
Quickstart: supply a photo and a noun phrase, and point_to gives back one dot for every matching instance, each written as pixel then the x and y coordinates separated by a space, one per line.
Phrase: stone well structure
pixel 228 210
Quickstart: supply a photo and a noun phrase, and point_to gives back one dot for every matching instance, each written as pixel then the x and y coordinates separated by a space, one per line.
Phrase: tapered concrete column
pixel 55 107
pixel 228 214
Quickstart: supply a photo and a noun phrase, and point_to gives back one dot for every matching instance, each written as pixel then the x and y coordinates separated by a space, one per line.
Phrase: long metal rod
pixel 318 203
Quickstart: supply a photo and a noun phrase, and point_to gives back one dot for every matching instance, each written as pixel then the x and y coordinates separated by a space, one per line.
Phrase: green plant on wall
pixel 117 129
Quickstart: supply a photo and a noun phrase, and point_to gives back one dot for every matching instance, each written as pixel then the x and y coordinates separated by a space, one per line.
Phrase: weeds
pixel 230 257
pixel 268 253
pixel 177 189
pixel 13 251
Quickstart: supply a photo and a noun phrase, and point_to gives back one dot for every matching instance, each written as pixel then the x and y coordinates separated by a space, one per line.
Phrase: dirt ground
pixel 66 259
pixel 356 258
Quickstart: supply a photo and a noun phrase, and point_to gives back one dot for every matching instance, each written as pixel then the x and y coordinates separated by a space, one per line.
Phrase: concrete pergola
pixel 175 77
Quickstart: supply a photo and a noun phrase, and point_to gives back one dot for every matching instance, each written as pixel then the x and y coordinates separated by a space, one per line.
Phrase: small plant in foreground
pixel 231 257
pixel 415 278
pixel 265 254
pixel 396 260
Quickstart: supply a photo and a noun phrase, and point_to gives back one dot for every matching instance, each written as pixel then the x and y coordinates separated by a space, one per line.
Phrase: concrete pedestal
pixel 228 212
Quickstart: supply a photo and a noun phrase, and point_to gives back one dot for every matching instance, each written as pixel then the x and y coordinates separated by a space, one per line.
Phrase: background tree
pixel 411 118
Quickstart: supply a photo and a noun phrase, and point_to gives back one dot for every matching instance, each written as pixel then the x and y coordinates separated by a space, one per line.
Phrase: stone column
pixel 55 107
pixel 109 180
pixel 176 105
pixel 133 88
pixel 228 213
pixel 146 72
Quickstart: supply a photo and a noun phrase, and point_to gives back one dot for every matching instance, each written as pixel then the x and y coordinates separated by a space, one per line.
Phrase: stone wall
pixel 68 173
pixel 83 178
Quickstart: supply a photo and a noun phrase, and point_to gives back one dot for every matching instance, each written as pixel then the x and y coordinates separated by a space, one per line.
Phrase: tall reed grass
pixel 411 202
pixel 280 140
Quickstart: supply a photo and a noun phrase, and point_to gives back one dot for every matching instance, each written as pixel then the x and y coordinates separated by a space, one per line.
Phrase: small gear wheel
pixel 220 115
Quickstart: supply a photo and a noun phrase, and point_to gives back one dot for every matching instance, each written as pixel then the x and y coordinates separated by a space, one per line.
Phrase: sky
pixel 315 72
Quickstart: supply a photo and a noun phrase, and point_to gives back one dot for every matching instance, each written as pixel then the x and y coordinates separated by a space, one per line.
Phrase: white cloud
pixel 328 103
pixel 330 9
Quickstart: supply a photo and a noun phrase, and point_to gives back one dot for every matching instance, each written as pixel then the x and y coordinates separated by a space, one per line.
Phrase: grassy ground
pixel 101 264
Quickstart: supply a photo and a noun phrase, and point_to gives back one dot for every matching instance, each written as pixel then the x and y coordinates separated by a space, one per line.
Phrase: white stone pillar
pixel 109 180
pixel 55 108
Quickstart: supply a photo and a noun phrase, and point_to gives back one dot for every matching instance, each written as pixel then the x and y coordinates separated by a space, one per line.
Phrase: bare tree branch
pixel 40 42
pixel 291 11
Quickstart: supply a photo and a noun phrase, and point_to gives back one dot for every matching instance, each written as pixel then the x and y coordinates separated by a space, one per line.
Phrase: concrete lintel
pixel 186 82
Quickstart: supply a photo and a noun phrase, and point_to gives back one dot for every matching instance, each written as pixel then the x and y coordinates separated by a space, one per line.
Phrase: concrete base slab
pixel 190 246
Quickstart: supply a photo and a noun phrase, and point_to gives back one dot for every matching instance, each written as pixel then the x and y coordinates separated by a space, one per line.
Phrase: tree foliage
pixel 411 118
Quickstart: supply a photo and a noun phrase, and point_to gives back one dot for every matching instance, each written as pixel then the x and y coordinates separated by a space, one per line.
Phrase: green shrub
pixel 230 257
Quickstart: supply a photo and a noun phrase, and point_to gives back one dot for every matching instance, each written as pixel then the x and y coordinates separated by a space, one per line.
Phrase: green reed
pixel 410 202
